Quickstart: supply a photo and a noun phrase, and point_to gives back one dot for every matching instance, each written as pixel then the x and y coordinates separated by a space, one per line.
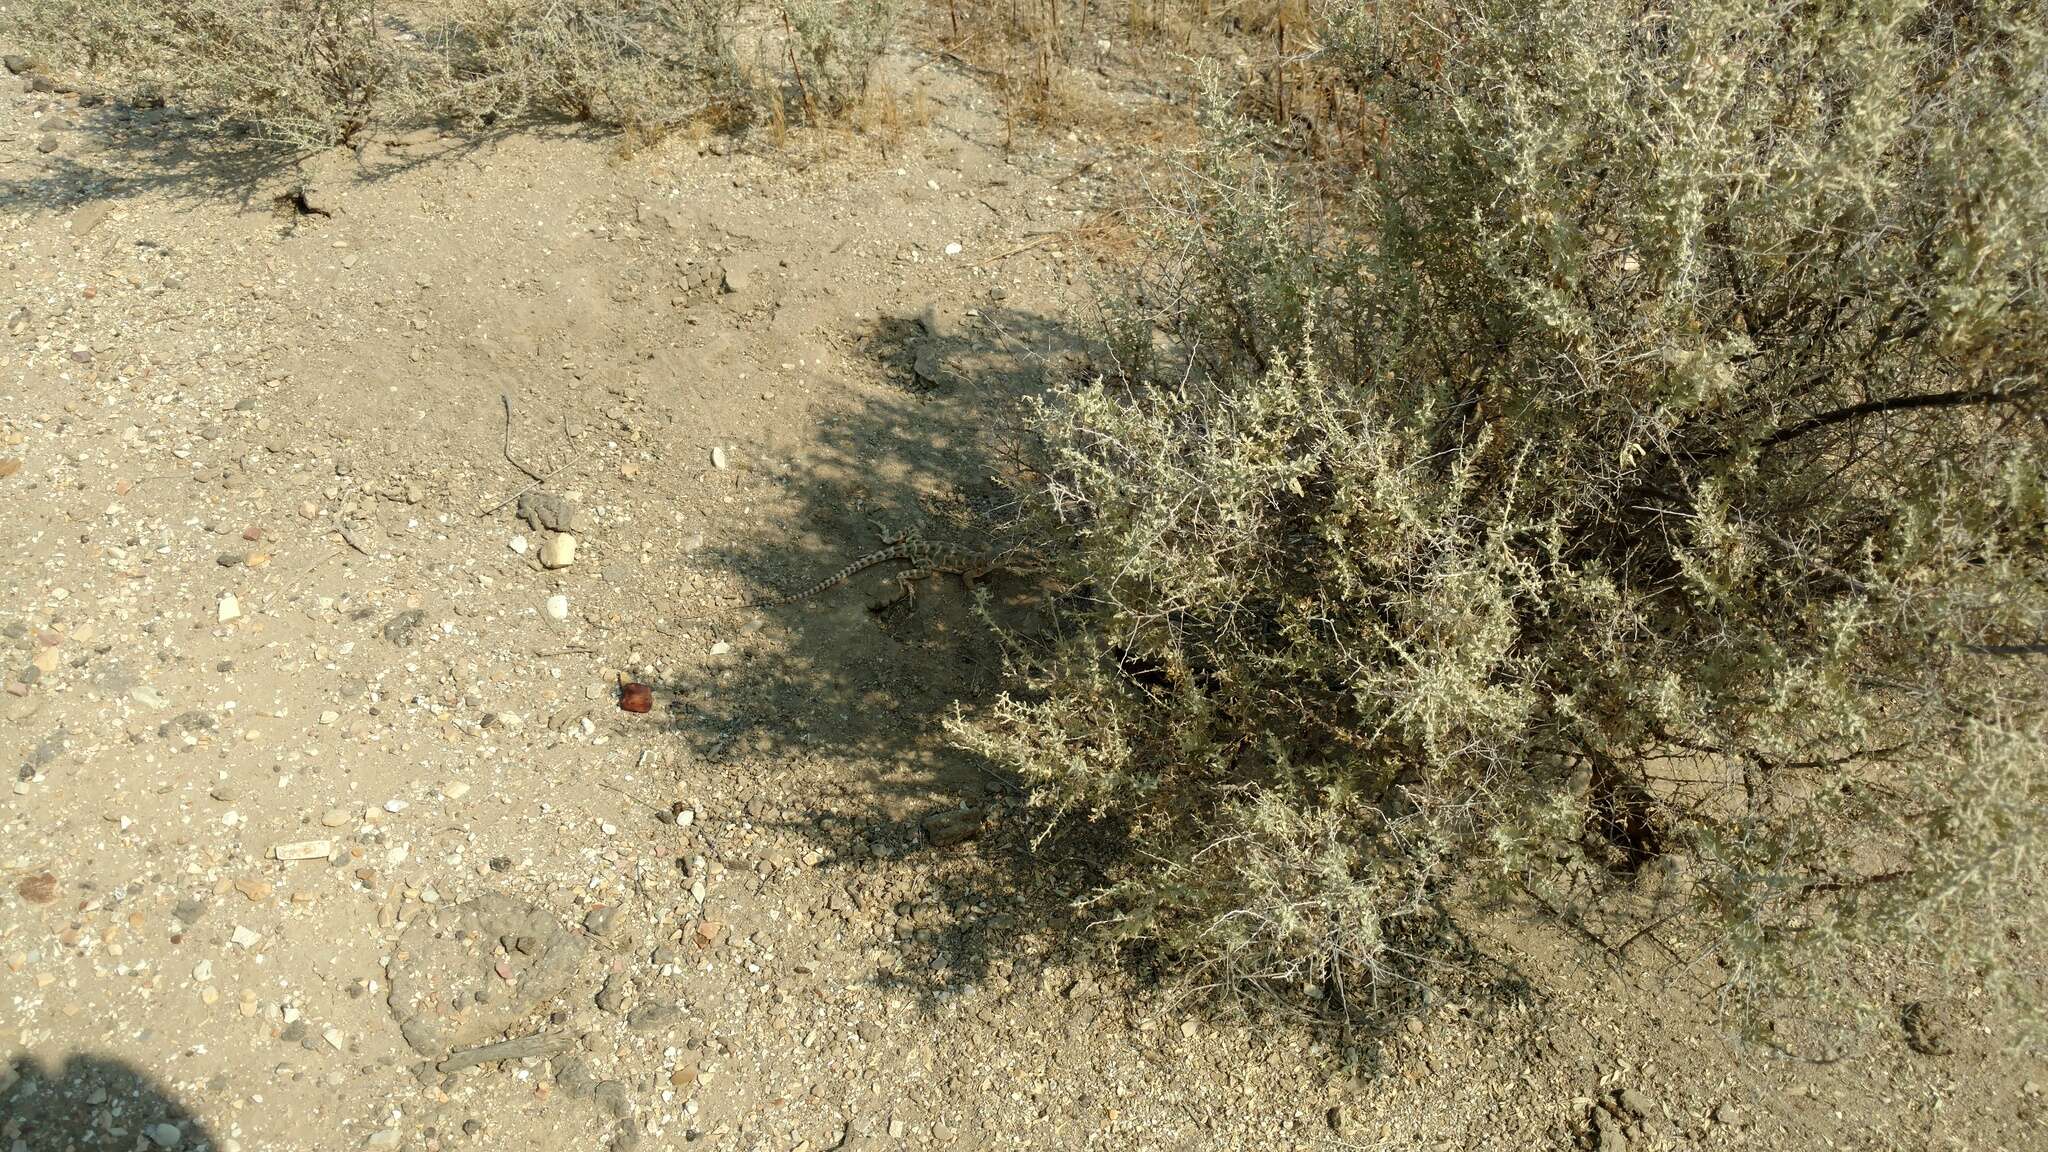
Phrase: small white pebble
pixel 455 790
pixel 719 460
pixel 558 607
pixel 396 805
pixel 230 608
pixel 519 545
pixel 953 249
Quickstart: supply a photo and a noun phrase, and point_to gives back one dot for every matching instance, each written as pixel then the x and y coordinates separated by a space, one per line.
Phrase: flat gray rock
pixel 448 956
pixel 545 511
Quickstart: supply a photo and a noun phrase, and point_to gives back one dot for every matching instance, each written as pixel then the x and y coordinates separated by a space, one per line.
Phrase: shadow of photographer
pixel 92 1102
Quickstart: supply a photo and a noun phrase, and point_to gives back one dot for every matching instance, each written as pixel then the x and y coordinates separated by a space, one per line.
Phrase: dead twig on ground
pixel 538 1044
pixel 628 795
pixel 537 478
pixel 506 399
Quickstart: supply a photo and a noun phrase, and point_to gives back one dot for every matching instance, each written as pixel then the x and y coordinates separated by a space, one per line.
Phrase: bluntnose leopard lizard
pixel 925 556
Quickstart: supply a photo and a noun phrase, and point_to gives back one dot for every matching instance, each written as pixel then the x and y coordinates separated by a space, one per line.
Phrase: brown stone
pixel 945 829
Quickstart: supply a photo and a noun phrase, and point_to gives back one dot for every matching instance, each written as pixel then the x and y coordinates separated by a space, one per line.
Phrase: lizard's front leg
pixel 907 580
pixel 888 537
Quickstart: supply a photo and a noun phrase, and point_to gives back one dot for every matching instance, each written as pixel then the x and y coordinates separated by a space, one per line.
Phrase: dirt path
pixel 321 770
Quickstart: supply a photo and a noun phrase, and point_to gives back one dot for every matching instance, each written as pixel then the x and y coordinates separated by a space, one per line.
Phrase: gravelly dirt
pixel 265 582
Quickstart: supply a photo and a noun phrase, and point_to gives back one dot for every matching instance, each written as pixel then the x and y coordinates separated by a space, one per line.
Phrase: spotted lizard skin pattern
pixel 925 556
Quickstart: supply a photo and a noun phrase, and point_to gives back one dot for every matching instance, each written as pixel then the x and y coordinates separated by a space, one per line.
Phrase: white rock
pixel 245 937
pixel 303 850
pixel 164 1135
pixel 147 697
pixel 395 806
pixel 203 971
pixel 455 790
pixel 230 608
pixel 558 607
pixel 953 249
pixel 329 717
pixel 720 648
pixel 719 460
pixel 334 1038
pixel 559 551
pixel 519 545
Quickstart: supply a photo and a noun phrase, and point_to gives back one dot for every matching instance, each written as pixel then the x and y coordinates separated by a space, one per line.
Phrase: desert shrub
pixel 834 46
pixel 647 65
pixel 318 72
pixel 1635 481
pixel 306 72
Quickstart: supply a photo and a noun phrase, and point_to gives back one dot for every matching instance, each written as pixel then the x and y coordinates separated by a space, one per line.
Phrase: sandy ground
pixel 319 782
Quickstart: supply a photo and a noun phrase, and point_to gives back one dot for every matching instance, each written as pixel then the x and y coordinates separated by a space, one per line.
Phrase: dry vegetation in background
pixel 317 73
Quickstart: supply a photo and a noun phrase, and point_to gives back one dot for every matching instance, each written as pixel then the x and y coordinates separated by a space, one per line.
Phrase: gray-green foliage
pixel 314 73
pixel 836 44
pixel 646 65
pixel 1636 478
